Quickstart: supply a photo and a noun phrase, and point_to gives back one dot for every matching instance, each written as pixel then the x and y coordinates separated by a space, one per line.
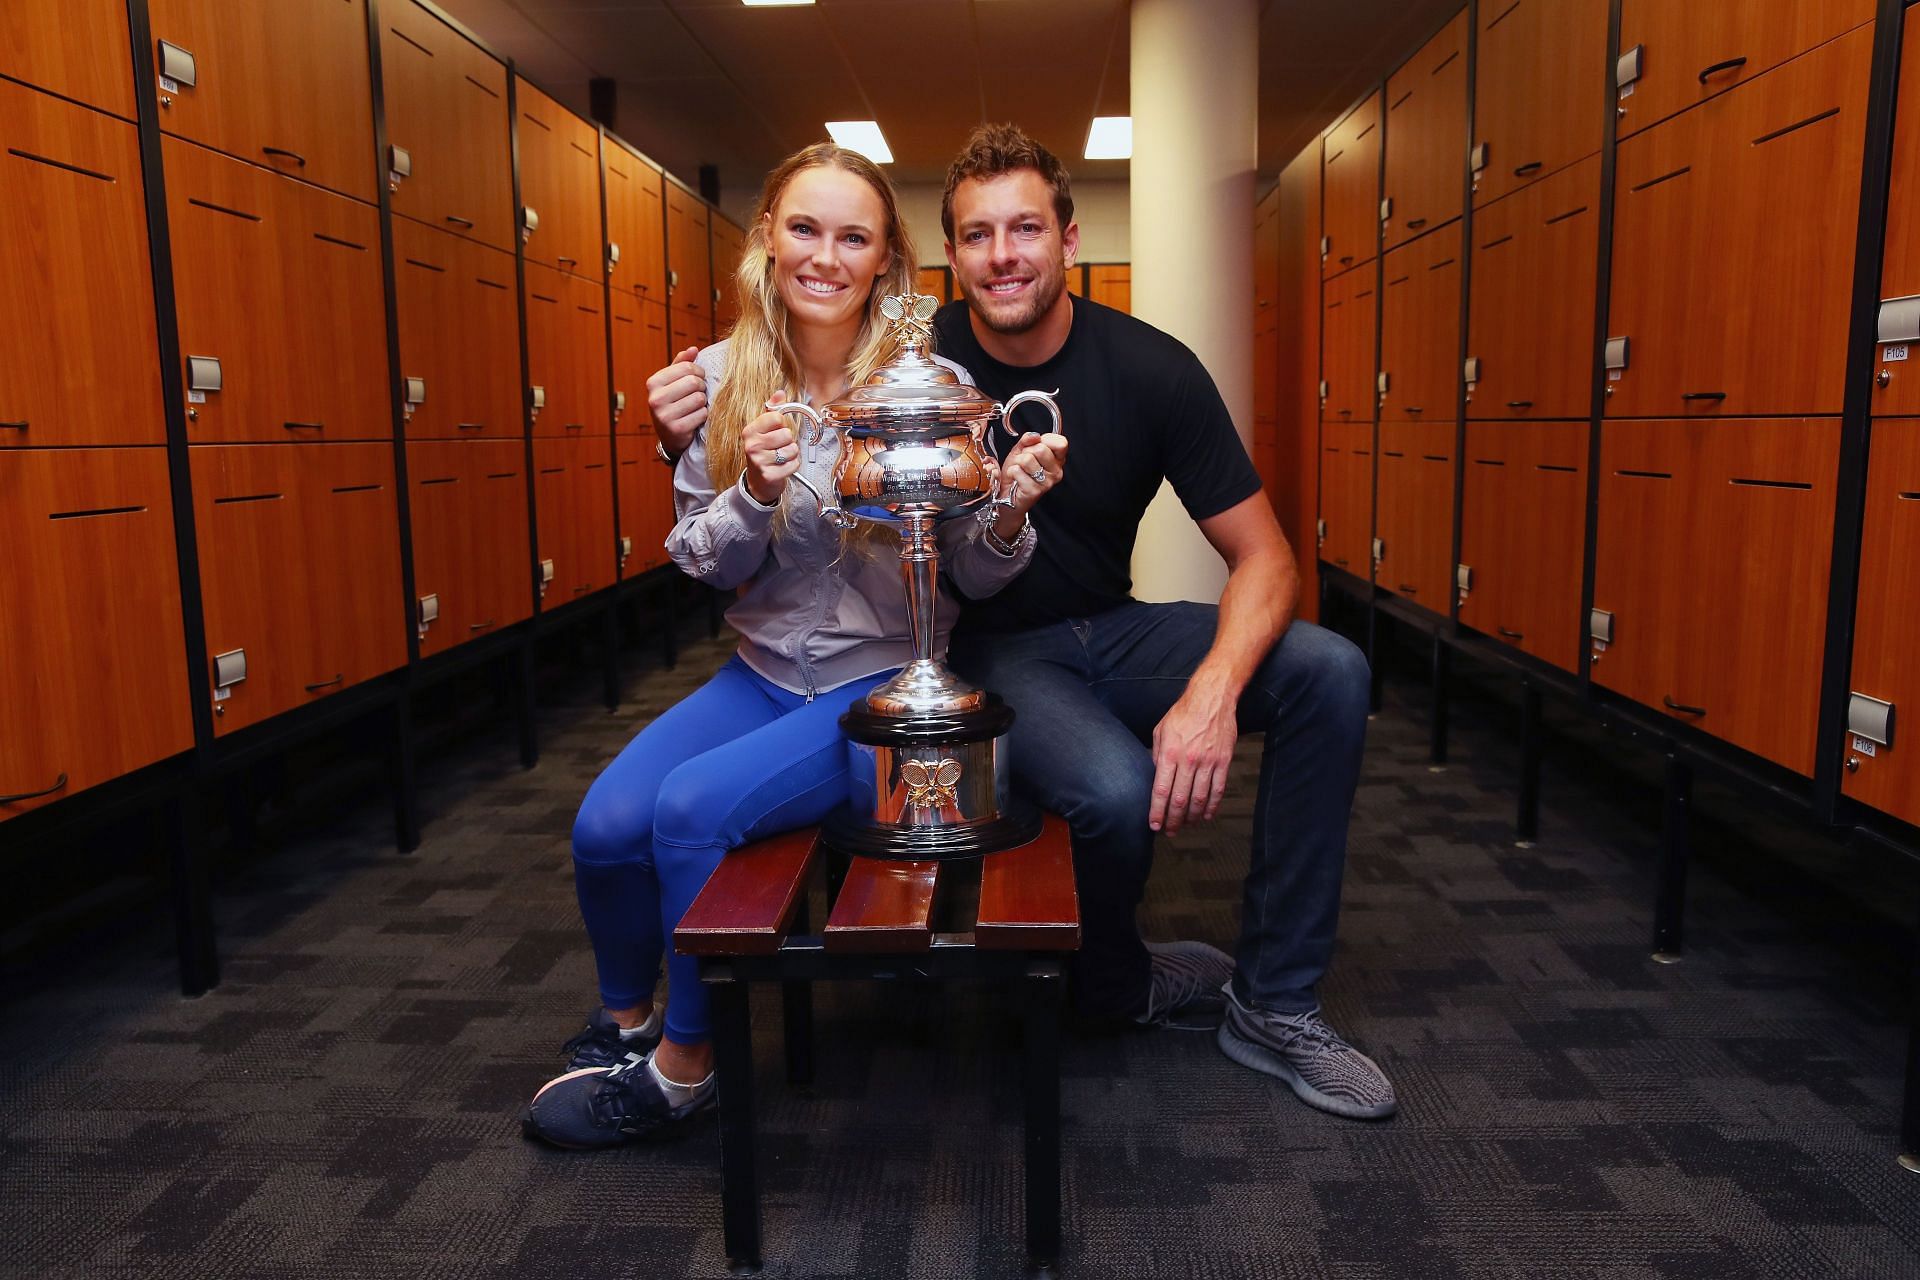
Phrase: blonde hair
pixel 760 354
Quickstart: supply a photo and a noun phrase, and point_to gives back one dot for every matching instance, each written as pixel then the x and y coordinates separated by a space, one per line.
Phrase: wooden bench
pixel 750 923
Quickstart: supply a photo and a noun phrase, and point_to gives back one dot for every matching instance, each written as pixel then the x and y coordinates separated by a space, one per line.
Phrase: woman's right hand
pixel 773 454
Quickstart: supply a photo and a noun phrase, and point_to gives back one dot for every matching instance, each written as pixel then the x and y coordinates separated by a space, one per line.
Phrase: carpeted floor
pixel 345 1104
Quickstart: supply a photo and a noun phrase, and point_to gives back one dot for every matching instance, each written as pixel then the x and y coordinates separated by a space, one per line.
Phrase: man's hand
pixel 1192 748
pixel 1035 464
pixel 677 398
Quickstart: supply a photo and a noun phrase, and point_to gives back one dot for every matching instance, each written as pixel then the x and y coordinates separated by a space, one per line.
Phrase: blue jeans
pixel 737 759
pixel 1087 694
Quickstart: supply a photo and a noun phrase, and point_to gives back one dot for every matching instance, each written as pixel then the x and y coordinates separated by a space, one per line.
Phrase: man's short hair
pixel 994 149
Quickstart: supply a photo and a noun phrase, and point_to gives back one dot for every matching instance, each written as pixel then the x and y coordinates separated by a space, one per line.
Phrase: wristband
pixel 660 452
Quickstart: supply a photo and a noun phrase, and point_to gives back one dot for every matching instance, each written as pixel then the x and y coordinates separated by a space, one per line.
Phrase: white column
pixel 1194 97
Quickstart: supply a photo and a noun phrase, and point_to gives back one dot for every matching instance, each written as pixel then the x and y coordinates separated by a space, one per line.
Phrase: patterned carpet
pixel 345 1104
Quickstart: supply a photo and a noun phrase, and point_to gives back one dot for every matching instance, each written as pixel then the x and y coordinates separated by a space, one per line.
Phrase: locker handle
pixel 294 156
pixel 480 626
pixel 1519 404
pixel 1348 258
pixel 326 684
pixel 1531 166
pixel 1731 64
pixel 304 426
pixel 1681 707
pixel 58 783
pixel 460 222
pixel 1414 224
pixel 470 426
pixel 1416 408
pixel 561 257
pixel 1704 395
pixel 1511 635
pixel 1408 589
pixel 14 426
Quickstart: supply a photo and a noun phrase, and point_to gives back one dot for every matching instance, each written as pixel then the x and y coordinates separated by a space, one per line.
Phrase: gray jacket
pixel 811 618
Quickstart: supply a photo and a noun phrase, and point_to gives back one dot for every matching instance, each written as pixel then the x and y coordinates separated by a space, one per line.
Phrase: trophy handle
pixel 809 450
pixel 1044 398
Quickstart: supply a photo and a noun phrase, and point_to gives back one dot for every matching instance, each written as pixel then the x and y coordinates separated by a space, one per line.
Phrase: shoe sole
pixel 1258 1058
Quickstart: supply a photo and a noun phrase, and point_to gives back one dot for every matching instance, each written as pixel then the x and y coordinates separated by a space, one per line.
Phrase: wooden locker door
pixel 1111 285
pixel 281 282
pixel 726 242
pixel 1765 513
pixel 1427 136
pixel 1645 573
pixel 1415 512
pixel 550 355
pixel 1346 496
pixel 690 278
pixel 445 509
pixel 598 553
pixel 1350 198
pixel 1896 388
pixel 300 568
pixel 79 352
pixel 1540 87
pixel 446 103
pixel 1693 51
pixel 639 351
pixel 634 215
pixel 633 514
pixel 1886 660
pixel 459 332
pixel 1420 330
pixel 286 85
pixel 498 541
pixel 1348 333
pixel 1549 487
pixel 78 49
pixel 1535 255
pixel 560 181
pixel 587 358
pixel 1489 540
pixel 932 281
pixel 1733 251
pixel 95 681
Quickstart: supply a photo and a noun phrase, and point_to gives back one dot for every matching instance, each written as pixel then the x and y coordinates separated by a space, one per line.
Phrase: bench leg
pixel 796 1000
pixel 1040 995
pixel 739 1177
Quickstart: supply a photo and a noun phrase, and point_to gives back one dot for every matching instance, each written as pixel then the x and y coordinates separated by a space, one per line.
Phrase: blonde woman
pixel 822 619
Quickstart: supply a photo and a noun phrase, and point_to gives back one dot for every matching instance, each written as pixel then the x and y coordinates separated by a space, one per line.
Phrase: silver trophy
pixel 926 748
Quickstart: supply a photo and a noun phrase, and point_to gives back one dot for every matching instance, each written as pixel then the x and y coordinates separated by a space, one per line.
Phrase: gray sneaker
pixel 1301 1049
pixel 1188 978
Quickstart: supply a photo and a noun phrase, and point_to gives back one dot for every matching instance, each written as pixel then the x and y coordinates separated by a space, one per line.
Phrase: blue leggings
pixel 738 759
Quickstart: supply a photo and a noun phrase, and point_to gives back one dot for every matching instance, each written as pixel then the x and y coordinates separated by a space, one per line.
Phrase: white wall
pixel 1101 209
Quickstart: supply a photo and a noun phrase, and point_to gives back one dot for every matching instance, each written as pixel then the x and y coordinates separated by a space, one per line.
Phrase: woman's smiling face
pixel 828 238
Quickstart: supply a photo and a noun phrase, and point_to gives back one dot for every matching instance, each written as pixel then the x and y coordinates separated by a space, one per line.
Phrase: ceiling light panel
pixel 863 136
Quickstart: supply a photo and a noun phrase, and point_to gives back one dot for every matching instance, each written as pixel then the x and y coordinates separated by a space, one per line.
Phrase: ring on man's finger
pixel 1039 476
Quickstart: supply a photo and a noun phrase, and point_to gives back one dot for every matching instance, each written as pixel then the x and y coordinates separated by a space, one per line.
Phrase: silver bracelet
pixel 1009 549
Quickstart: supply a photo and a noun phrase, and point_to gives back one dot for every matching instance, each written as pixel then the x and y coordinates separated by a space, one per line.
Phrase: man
pixel 1128 712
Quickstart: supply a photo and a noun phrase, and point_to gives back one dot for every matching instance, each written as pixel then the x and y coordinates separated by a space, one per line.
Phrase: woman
pixel 822 618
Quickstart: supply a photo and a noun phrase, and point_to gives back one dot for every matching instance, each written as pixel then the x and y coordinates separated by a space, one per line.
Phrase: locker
pixel 459 334
pixel 1712 558
pixel 299 569
pixel 646 503
pixel 1523 532
pixel 932 281
pixel 573 503
pixel 446 103
pixel 1733 250
pixel 1886 659
pixel 469 509
pixel 636 221
pixel 1896 387
pixel 1420 330
pixel 79 355
pixel 281 283
pixel 287 85
pixel 78 49
pixel 567 352
pixel 639 351
pixel 1348 336
pixel 1351 190
pixel 726 241
pixel 685 329
pixel 560 182
pixel 95 681
pixel 1346 496
pixel 1427 136
pixel 1535 255
pixel 1676 55
pixel 690 267
pixel 1111 285
pixel 1541 86
pixel 1414 519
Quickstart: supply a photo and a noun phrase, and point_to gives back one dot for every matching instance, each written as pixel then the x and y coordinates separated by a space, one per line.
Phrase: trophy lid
pixel 912 388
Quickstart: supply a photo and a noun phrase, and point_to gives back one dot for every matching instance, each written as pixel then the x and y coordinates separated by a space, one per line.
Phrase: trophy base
pixel 929 787
pixel 853 833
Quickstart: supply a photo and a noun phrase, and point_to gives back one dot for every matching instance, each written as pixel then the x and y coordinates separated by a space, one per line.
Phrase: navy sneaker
pixel 604 1107
pixel 601 1044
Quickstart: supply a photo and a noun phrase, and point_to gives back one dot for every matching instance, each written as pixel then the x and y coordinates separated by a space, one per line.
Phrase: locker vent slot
pixel 1489 462
pixel 1549 466
pixel 410 40
pixel 1647 475
pixel 541 297
pixel 1435 457
pixel 1828 114
pixel 425 266
pixel 503 475
pixel 1449 262
pixel 596 466
pixel 1446 62
pixel 1772 484
pixel 552 471
pixel 59 164
pixel 481 87
pixel 1493 244
pixel 1363 133
pixel 1401 280
pixel 356 488
pixel 1665 177
pixel 439 480
pixel 1401 100
pixel 251 497
pixel 1562 217
pixel 345 244
pixel 220 208
pixel 491 284
pixel 1503 15
pixel 97 511
pixel 1336 155
pixel 528 115
pixel 1392 453
pixel 582 150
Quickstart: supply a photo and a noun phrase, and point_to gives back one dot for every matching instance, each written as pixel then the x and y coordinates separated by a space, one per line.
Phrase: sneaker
pixel 604 1044
pixel 1301 1049
pixel 1187 980
pixel 606 1106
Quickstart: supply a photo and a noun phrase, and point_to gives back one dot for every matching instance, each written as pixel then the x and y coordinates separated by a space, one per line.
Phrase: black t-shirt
pixel 1138 407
